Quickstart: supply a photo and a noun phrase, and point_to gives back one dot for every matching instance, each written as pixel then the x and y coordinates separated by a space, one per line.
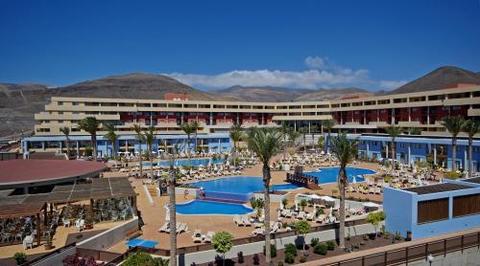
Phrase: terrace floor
pixel 153 215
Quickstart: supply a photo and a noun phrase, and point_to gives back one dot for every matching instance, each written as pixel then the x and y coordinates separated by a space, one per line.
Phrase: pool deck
pixel 154 214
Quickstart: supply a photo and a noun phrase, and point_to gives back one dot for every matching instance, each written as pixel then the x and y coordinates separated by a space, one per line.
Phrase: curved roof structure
pixel 21 172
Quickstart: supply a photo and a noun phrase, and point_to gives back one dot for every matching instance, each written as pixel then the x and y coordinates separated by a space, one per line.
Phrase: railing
pixel 415 252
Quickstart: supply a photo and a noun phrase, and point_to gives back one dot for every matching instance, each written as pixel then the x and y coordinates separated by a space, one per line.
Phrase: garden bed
pixel 356 243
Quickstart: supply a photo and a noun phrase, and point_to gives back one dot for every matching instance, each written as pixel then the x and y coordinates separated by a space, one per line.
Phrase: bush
pixel 291 249
pixel 289 258
pixel 314 242
pixel 330 245
pixel 273 250
pixel 20 257
pixel 452 175
pixel 280 263
pixel 240 257
pixel 256 259
pixel 140 258
pixel 320 249
pixel 303 259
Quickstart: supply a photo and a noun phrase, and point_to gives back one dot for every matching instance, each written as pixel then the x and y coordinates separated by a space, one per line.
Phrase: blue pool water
pixel 212 207
pixel 239 185
pixel 185 162
pixel 330 174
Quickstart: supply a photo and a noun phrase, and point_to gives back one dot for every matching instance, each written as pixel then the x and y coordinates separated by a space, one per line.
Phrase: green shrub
pixel 452 175
pixel 140 258
pixel 302 259
pixel 330 245
pixel 320 249
pixel 398 236
pixel 20 257
pixel 289 258
pixel 291 249
pixel 273 250
pixel 314 242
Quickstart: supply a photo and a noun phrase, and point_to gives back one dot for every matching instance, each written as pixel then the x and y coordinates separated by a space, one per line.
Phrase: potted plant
pixel 20 258
pixel 48 241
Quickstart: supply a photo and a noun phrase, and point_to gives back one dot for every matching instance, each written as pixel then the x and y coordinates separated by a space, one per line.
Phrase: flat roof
pixel 437 188
pixel 32 171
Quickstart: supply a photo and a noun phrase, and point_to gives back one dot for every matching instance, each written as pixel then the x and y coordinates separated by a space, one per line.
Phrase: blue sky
pixel 215 44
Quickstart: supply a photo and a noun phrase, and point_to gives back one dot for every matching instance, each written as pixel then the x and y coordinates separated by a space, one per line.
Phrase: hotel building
pixel 366 118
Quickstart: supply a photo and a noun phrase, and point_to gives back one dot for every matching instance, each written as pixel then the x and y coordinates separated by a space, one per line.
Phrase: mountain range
pixel 18 102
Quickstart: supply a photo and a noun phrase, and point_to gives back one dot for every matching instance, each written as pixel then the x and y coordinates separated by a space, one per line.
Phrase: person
pixel 185 193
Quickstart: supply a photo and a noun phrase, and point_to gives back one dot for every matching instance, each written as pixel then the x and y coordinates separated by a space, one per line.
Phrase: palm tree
pixel 236 135
pixel 285 129
pixel 90 124
pixel 149 138
pixel 140 137
pixel 328 125
pixel 195 126
pixel 66 132
pixel 188 129
pixel 292 137
pixel 112 137
pixel 453 124
pixel 471 127
pixel 313 129
pixel 304 132
pixel 345 151
pixel 171 182
pixel 265 143
pixel 393 132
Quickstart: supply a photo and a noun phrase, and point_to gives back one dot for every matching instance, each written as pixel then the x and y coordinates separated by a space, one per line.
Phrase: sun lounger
pixel 165 227
pixel 238 221
pixel 301 215
pixel 310 216
pixel 258 231
pixel 197 236
pixel 246 221
pixel 208 237
pixel 320 218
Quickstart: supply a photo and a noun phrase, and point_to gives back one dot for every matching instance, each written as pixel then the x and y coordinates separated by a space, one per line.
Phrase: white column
pixel 428 115
pixel 386 150
pixel 368 150
pixel 466 165
pixel 409 155
pixel 309 124
pixel 435 154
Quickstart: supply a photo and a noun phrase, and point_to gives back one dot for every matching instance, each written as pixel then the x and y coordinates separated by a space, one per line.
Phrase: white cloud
pixel 390 84
pixel 322 74
pixel 316 62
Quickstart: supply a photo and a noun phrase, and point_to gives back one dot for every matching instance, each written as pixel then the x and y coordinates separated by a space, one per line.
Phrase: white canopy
pixel 327 198
pixel 370 205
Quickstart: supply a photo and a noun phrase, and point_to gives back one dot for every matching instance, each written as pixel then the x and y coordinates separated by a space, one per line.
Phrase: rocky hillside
pixel 262 94
pixel 18 102
pixel 440 78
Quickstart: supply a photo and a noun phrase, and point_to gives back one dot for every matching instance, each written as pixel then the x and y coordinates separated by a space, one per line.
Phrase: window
pixel 466 205
pixel 432 210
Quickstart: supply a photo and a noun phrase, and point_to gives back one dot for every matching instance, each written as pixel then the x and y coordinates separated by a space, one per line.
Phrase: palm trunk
pixel 196 142
pixel 266 181
pixel 94 146
pixel 173 219
pixel 341 229
pixel 393 154
pixel 140 161
pixel 67 143
pixel 454 154
pixel 150 159
pixel 114 150
pixel 470 157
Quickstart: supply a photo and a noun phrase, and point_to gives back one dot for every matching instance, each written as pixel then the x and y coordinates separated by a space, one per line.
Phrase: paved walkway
pixel 358 254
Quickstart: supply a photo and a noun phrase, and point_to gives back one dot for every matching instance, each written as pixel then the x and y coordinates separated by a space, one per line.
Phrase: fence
pixel 415 252
pixel 226 196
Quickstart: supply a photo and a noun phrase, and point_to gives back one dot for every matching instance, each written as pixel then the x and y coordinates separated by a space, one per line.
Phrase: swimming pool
pixel 185 162
pixel 330 174
pixel 203 207
pixel 239 185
